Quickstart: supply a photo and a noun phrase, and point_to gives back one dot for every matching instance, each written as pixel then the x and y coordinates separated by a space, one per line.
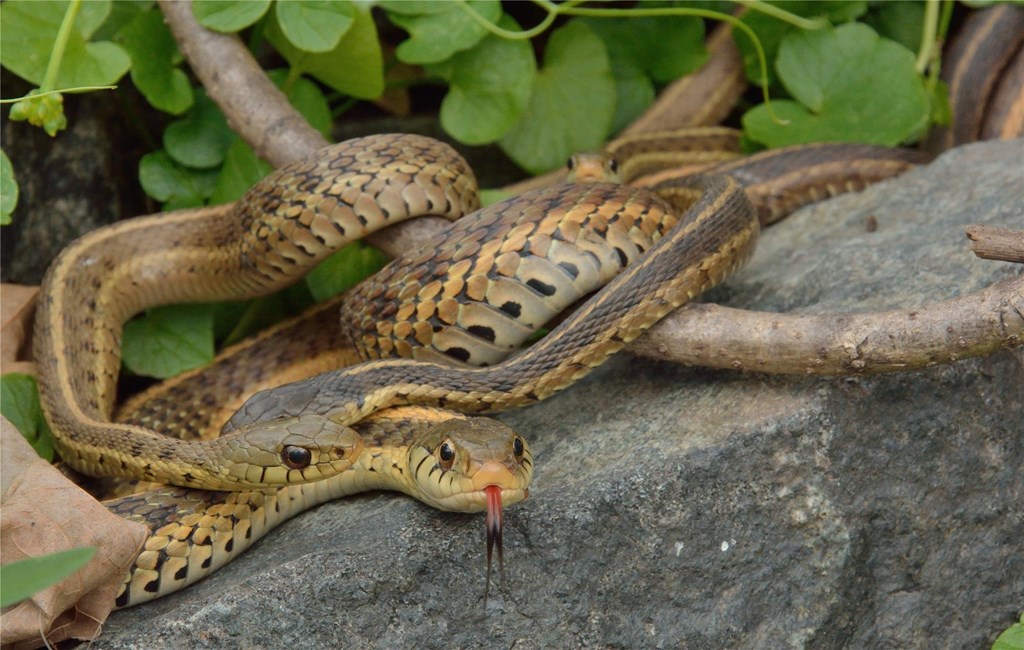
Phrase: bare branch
pixel 994 243
pixel 841 344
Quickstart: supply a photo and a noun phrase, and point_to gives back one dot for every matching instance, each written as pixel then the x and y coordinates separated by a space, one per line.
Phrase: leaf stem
pixel 931 23
pixel 57 54
pixel 811 24
pixel 75 89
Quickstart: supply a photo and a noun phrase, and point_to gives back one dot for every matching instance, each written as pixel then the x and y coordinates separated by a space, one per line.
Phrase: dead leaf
pixel 41 512
pixel 17 311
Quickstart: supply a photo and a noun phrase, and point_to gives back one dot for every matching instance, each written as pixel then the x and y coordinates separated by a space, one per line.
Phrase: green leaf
pixel 355 67
pixel 1012 637
pixel 165 180
pixel 314 25
pixel 440 31
pixel 851 85
pixel 30 30
pixel 344 269
pixel 771 30
pixel 166 341
pixel 307 98
pixel 645 50
pixel 572 103
pixel 26 577
pixel 19 403
pixel 229 16
pixel 154 54
pixel 201 138
pixel 902 22
pixel 241 169
pixel 489 87
pixel 8 189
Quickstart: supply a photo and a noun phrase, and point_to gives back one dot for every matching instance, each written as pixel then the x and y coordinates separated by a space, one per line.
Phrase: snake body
pixel 281 228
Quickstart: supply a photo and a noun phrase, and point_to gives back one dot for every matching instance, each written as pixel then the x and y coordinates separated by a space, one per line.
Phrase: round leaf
pixel 572 103
pixel 344 269
pixel 852 85
pixel 165 180
pixel 201 138
pixel 314 25
pixel 436 35
pixel 355 67
pixel 19 403
pixel 229 16
pixel 489 86
pixel 154 53
pixel 166 341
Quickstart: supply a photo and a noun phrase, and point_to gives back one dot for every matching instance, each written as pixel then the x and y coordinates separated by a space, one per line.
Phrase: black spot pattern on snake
pixel 460 354
pixel 541 287
pixel 482 331
pixel 570 268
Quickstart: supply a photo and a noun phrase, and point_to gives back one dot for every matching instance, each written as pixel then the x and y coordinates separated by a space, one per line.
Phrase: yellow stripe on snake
pixel 471 296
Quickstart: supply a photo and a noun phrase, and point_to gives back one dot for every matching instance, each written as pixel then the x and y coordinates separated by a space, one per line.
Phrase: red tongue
pixel 493 522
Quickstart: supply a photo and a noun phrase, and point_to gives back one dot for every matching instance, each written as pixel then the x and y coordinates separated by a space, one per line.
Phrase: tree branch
pixel 841 344
pixel 994 243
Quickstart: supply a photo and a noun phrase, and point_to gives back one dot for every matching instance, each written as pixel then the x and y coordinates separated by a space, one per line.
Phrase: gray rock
pixel 681 507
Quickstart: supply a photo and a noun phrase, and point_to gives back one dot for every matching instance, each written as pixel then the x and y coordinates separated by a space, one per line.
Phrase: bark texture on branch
pixel 993 243
pixel 709 335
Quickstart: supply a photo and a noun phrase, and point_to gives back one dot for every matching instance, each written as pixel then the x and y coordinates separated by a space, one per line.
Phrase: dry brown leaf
pixel 17 309
pixel 42 512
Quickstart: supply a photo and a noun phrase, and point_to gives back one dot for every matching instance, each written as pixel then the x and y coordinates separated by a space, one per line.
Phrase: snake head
pixel 592 167
pixel 292 450
pixel 469 465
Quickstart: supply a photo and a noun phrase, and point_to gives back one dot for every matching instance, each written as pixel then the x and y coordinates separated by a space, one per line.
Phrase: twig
pixel 994 243
pixel 841 344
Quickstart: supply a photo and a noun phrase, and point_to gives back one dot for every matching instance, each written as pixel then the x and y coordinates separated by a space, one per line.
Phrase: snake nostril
pixel 296 457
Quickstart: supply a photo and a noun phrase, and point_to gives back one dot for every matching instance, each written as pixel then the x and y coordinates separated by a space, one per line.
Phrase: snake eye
pixel 446 454
pixel 613 166
pixel 296 457
pixel 517 447
pixel 570 163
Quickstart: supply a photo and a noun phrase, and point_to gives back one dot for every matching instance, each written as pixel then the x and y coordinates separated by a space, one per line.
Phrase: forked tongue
pixel 493 522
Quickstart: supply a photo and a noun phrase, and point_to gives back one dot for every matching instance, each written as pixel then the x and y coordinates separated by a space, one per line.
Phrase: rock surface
pixel 680 507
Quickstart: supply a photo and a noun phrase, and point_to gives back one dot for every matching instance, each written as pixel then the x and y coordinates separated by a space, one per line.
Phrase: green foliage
pixel 19 403
pixel 1012 637
pixel 155 60
pixel 8 190
pixel 439 30
pixel 23 578
pixel 43 110
pixel 849 85
pixel 314 25
pixel 572 103
pixel 488 87
pixel 229 16
pixel 355 66
pixel 343 270
pixel 30 31
pixel 176 185
pixel 201 138
pixel 167 341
